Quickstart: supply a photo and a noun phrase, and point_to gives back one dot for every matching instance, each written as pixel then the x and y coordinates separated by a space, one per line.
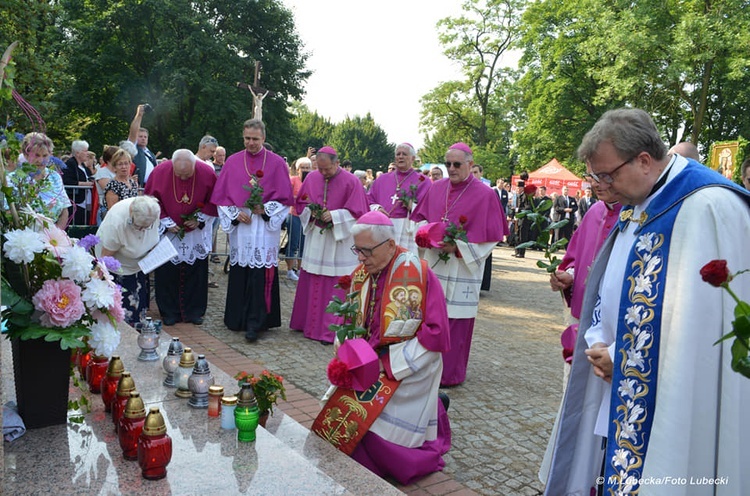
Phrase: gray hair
pixel 184 153
pixel 79 146
pixel 629 130
pixel 379 233
pixel 145 210
pixel 360 173
pixel 255 124
pixel 302 161
pixel 468 157
pixel 411 149
pixel 207 140
pixel 129 147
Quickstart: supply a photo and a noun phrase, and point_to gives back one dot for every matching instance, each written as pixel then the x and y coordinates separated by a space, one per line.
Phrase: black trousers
pixel 182 290
pixel 246 308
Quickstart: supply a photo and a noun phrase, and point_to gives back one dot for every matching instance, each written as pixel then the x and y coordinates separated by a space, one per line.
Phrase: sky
pixel 377 57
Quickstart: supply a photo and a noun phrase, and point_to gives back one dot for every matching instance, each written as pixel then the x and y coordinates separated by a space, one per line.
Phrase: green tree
pixel 40 67
pixel 477 109
pixel 312 129
pixel 686 63
pixel 185 59
pixel 362 141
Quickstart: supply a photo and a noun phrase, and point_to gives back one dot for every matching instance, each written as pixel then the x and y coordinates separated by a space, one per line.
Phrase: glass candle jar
pixel 95 372
pixel 154 446
pixel 131 425
pixel 228 404
pixel 124 388
pixel 183 373
pixel 109 383
pixel 148 341
pixel 215 393
pixel 172 361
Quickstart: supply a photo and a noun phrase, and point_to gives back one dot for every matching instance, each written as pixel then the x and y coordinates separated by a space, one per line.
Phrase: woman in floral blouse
pixel 44 184
pixel 121 186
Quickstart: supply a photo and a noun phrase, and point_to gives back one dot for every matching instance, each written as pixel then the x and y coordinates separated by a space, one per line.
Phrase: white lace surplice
pixel 256 244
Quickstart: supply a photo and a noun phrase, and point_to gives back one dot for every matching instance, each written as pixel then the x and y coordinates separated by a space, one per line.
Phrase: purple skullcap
pixel 461 146
pixel 375 218
pixel 329 150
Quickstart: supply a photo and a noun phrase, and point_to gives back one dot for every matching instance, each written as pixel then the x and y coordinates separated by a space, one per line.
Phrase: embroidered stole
pixel 348 414
pixel 636 363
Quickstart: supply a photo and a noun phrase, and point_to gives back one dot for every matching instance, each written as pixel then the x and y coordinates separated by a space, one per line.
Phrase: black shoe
pixel 215 259
pixel 444 399
pixel 251 336
pixel 197 321
pixel 169 322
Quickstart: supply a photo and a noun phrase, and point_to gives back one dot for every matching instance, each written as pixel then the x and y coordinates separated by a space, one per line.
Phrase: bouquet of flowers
pixel 268 388
pixel 191 216
pixel 256 191
pixel 54 288
pixel 717 274
pixel 317 211
pixel 347 309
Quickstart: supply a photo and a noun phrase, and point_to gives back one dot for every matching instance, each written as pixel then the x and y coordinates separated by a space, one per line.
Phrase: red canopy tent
pixel 554 176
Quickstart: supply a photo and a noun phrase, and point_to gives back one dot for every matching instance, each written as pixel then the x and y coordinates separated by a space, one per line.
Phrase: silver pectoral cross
pixel 394 198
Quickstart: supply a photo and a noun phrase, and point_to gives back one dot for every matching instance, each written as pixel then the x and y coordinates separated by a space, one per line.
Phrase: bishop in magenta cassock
pixel 463 201
pixel 183 187
pixel 397 193
pixel 253 194
pixel 330 201
pixel 405 434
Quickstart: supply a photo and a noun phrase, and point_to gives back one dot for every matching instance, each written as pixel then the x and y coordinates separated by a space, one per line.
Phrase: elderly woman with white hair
pixel 183 187
pixel 128 232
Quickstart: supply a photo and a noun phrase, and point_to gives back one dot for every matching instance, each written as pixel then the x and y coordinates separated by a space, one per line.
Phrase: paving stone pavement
pixel 501 416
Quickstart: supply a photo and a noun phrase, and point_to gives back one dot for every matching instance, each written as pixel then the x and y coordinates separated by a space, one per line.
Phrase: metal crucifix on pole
pixel 258 93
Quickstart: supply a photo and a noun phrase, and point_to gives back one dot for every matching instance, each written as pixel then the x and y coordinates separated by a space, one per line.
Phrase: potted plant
pixel 267 387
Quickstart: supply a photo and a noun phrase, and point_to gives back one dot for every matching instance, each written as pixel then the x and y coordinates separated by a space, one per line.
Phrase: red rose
pixel 344 282
pixel 422 239
pixel 305 197
pixel 421 177
pixel 716 273
pixel 200 205
pixel 529 190
pixel 463 220
pixel 259 174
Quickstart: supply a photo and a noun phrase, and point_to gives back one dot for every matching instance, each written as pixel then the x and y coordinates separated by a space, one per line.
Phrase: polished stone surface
pixel 87 459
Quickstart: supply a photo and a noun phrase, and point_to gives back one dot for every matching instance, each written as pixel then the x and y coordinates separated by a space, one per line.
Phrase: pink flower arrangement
pixel 60 300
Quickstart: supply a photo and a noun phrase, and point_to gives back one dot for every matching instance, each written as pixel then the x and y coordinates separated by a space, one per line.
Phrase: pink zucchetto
pixel 461 146
pixel 375 218
pixel 329 150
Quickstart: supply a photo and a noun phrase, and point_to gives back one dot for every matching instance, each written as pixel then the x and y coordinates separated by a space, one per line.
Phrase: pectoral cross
pixel 258 93
pixel 394 198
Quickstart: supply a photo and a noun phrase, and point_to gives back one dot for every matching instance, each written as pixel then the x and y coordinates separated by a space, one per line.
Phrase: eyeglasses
pixel 606 177
pixel 453 164
pixel 135 226
pixel 367 252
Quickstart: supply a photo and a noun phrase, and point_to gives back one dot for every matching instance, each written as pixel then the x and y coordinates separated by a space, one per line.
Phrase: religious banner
pixel 724 158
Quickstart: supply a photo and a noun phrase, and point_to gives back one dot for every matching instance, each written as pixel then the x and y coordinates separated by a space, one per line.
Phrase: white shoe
pixel 292 275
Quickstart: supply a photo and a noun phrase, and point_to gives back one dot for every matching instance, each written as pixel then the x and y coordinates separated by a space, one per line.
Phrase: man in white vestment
pixel 653 406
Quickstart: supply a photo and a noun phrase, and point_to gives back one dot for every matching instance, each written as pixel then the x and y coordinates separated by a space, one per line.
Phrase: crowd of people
pixel 413 247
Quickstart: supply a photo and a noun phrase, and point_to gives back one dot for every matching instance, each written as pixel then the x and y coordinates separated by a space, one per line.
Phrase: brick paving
pixel 500 417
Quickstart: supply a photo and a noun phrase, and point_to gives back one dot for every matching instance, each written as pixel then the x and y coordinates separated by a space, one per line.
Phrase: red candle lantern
pixel 131 425
pixel 96 369
pixel 124 388
pixel 83 360
pixel 110 381
pixel 154 446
